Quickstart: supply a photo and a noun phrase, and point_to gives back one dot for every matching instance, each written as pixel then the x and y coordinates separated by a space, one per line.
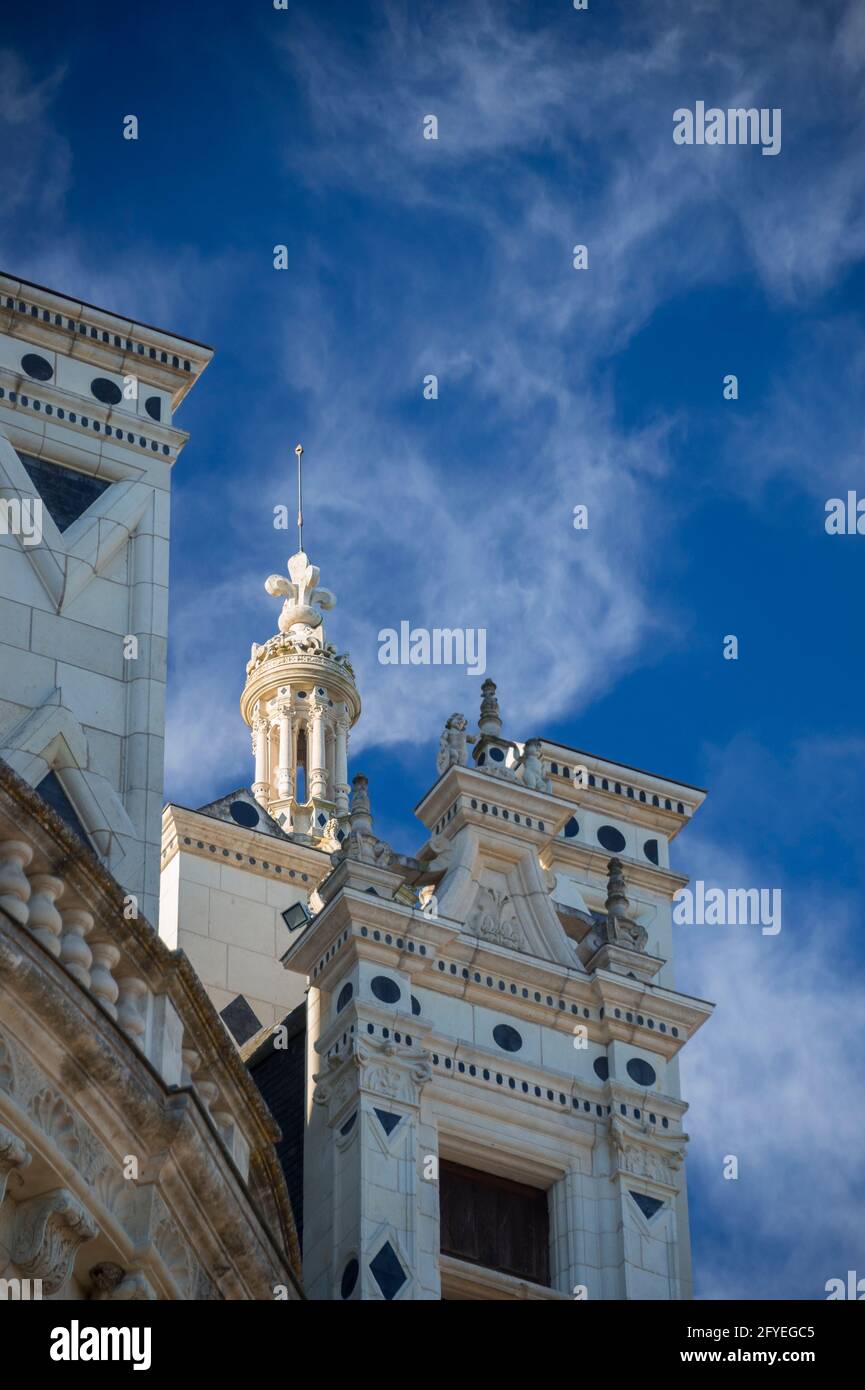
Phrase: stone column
pixel 283 776
pixel 317 765
pixel 259 735
pixel 340 790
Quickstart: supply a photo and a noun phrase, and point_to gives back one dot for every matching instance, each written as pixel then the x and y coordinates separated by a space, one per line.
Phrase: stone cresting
pixel 137 1158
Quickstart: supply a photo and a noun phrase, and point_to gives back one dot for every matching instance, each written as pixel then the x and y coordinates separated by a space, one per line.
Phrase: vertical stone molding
pixel 260 731
pixel 318 766
pixel 283 779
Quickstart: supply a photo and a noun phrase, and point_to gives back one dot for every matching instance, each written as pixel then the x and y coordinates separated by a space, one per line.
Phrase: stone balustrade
pixel 120 962
pixel 51 910
pixel 82 976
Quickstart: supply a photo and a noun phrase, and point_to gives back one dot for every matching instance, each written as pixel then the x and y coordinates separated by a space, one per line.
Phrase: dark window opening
pixel 495 1222
pixel 300 769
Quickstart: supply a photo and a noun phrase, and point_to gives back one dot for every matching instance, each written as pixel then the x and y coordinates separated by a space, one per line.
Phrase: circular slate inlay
pixel 415 1005
pixel 611 838
pixel 153 406
pixel 497 755
pixel 650 849
pixel 640 1071
pixel 108 392
pixel 508 1039
pixel 349 1279
pixel 572 828
pixel 344 996
pixel 388 991
pixel 39 368
pixel 243 813
pixel 602 1068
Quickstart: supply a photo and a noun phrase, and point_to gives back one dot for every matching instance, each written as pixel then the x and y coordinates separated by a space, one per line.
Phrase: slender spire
pixel 299 455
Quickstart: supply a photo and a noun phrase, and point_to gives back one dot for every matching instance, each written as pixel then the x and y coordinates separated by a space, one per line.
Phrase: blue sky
pixel 556 387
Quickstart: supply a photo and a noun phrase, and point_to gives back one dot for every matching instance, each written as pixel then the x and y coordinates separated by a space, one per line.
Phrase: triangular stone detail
pixel 387 1120
pixel 51 790
pixel 648 1205
pixel 66 493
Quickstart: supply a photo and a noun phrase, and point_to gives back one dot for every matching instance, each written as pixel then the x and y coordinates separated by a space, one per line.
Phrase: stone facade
pixel 514 1021
pixel 500 1007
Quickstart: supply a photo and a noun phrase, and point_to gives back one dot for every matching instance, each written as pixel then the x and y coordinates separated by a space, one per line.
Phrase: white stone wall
pixel 75 695
pixel 228 921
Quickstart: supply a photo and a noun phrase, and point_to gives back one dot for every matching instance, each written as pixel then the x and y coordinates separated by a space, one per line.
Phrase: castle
pixel 447 1075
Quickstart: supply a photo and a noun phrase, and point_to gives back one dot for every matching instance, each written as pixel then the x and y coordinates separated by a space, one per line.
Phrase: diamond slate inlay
pixel 387 1271
pixel 387 1120
pixel 648 1205
pixel 240 1020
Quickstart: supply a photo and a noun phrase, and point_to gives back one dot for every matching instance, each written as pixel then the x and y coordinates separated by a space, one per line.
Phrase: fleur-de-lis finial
pixel 303 597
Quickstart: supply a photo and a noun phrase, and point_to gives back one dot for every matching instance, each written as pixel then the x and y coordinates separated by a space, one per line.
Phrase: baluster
pixel 191 1062
pixel 208 1091
pixel 129 1015
pixel 102 982
pixel 15 889
pixel 75 954
pixel 224 1121
pixel 45 921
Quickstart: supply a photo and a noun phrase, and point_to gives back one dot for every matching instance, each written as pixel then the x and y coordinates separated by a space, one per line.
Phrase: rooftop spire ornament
pixel 303 597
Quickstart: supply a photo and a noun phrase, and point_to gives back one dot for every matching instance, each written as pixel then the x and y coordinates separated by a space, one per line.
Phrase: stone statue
pixel 533 769
pixel 452 744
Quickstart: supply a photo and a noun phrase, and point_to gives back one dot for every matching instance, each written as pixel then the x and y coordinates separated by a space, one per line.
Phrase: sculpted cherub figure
pixel 452 744
pixel 533 768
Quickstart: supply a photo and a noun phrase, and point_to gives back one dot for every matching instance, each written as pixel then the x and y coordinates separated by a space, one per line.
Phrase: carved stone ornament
pixel 621 929
pixel 303 597
pixel 656 1159
pixel 54 1117
pixel 385 1068
pixel 492 918
pixel 113 1284
pixel 173 1251
pixel 443 851
pixel 14 1157
pixel 393 1071
pixel 49 1228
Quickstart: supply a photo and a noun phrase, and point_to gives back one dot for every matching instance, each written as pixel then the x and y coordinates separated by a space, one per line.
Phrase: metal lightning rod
pixel 299 453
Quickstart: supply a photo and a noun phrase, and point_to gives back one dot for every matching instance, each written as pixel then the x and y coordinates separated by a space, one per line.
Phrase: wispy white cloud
pixel 773 1078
